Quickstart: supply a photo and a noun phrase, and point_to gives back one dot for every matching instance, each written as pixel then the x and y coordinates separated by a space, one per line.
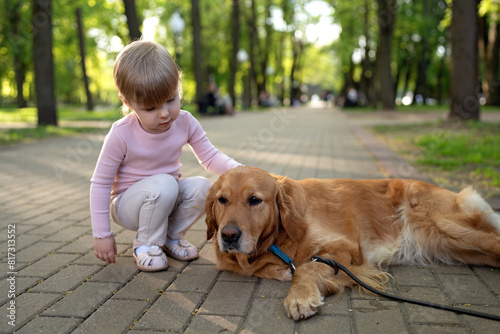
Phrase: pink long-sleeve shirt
pixel 130 154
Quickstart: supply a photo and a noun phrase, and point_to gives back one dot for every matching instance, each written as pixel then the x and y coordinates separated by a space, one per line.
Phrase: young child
pixel 137 176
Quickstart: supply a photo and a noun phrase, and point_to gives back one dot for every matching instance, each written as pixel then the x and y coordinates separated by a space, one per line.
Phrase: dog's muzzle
pixel 230 236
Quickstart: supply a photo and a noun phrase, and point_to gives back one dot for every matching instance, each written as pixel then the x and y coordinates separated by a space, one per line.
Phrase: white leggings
pixel 160 206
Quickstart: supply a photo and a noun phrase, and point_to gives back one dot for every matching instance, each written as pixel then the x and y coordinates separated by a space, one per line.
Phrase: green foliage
pixel 470 147
pixel 326 66
pixel 12 136
pixel 451 149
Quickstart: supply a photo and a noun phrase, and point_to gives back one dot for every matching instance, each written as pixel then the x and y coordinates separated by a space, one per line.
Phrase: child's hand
pixel 105 249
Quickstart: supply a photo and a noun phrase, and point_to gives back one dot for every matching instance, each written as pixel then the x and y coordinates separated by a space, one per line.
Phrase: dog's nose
pixel 230 233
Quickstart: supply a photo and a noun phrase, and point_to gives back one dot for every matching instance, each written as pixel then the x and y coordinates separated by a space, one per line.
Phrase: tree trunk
pixel 423 62
pixel 254 49
pixel 297 48
pixel 235 38
pixel 464 81
pixel 366 84
pixel 265 49
pixel 81 42
pixel 386 18
pixel 492 60
pixel 132 20
pixel 44 62
pixel 197 49
pixel 17 43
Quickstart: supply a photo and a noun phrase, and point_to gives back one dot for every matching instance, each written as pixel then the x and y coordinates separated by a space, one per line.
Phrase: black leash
pixel 336 266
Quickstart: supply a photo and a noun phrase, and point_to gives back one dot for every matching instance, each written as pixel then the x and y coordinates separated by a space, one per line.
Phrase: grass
pixel 16 134
pixel 452 154
pixel 12 136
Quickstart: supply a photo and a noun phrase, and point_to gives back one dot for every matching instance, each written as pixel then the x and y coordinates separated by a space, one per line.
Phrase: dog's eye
pixel 222 200
pixel 254 200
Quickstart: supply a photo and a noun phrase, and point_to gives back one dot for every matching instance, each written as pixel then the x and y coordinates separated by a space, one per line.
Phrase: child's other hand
pixel 105 249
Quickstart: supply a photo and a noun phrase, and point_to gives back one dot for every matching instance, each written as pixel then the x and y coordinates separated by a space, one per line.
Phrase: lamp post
pixel 246 96
pixel 177 25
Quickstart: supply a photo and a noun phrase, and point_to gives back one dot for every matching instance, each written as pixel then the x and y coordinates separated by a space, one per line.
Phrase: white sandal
pixel 182 250
pixel 152 260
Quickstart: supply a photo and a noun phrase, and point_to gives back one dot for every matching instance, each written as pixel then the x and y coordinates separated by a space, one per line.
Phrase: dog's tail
pixel 473 205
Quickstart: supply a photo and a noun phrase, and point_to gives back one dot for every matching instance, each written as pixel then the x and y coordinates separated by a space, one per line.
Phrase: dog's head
pixel 247 207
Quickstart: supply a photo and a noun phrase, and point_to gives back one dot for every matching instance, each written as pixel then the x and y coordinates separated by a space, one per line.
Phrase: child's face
pixel 157 119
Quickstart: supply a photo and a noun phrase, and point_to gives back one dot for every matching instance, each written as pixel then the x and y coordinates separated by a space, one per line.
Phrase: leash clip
pixel 285 258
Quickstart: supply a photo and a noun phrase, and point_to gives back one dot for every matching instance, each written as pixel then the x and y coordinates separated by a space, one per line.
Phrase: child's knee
pixel 166 186
pixel 197 189
pixel 201 187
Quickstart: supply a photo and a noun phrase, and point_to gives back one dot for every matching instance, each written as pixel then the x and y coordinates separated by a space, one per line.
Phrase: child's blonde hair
pixel 146 74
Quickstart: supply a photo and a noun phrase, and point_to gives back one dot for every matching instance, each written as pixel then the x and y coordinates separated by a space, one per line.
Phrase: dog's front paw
pixel 301 305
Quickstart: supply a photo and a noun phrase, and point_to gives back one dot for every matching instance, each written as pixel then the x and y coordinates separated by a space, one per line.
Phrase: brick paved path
pixel 60 287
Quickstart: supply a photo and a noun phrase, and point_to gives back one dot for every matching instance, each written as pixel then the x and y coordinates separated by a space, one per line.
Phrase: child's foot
pixel 181 250
pixel 150 258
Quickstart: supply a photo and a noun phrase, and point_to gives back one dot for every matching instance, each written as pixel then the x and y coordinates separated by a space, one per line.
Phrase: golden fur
pixel 362 224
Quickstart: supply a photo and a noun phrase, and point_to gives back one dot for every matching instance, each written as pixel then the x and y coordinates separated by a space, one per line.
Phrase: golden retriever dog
pixel 361 224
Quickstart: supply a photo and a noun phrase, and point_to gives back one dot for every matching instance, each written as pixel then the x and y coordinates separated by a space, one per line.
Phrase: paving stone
pixel 50 228
pixel 438 329
pixel 336 305
pixel 490 276
pixel 195 278
pixel 228 298
pixel 121 271
pixel 267 315
pixel 375 316
pixel 467 289
pixel 146 286
pixel 170 312
pixel 28 305
pixel 69 233
pixel 410 275
pixel 480 325
pixel 115 316
pixel 36 251
pixel 325 325
pixel 83 301
pixel 67 279
pixel 50 325
pixel 214 324
pixel 21 285
pixel 48 265
pixel 80 246
pixel 421 314
pixel 77 216
pixel 207 255
pixel 229 276
pixel 270 288
pixel 24 241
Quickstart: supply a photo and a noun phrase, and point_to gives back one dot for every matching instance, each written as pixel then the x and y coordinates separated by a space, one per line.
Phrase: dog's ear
pixel 210 214
pixel 292 207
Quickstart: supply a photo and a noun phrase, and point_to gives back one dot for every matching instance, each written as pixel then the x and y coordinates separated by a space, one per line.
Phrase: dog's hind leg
pixel 463 229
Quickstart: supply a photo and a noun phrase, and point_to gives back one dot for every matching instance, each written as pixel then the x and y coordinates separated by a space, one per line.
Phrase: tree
pixel 81 40
pixel 489 49
pixel 197 49
pixel 386 19
pixel 18 46
pixel 132 20
pixel 43 61
pixel 235 38
pixel 464 86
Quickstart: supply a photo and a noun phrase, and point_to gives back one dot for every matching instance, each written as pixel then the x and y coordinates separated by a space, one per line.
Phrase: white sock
pixel 170 242
pixel 141 249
